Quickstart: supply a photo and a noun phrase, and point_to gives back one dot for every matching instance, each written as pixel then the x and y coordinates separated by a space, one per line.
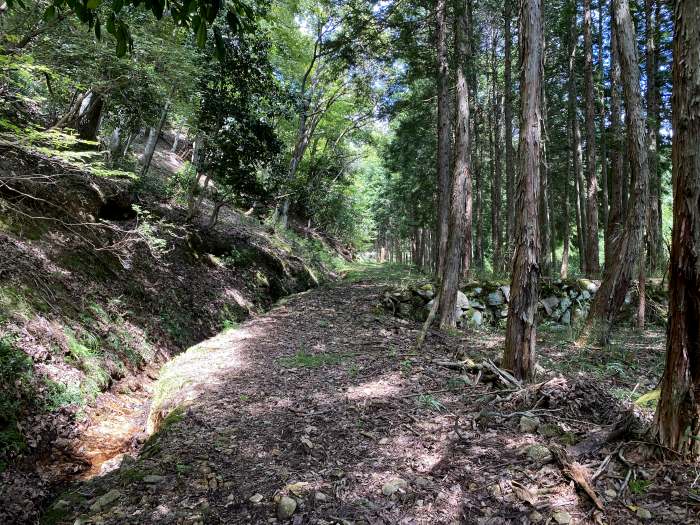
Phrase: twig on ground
pixel 577 473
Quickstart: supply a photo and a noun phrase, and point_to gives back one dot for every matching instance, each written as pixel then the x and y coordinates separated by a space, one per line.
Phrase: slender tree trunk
pixel 603 132
pixel 478 180
pixel 460 207
pixel 214 217
pixel 194 186
pixel 546 254
pixel 576 146
pixel 496 182
pixel 678 413
pixel 564 271
pixel 444 134
pixel 618 276
pixel 652 232
pixel 508 121
pixel 657 131
pixel 519 355
pixel 593 265
pixel 152 142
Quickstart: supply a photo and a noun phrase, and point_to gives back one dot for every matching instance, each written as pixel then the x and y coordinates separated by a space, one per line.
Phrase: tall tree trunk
pixel 194 186
pixel 605 204
pixel 460 205
pixel 618 276
pixel 478 181
pixel 152 142
pixel 519 355
pixel 508 120
pixel 652 231
pixel 564 271
pixel 678 413
pixel 580 201
pixel 617 173
pixel 444 134
pixel 496 160
pixel 546 254
pixel 593 264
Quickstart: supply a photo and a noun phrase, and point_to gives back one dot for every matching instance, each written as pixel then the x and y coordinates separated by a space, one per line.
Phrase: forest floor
pixel 321 412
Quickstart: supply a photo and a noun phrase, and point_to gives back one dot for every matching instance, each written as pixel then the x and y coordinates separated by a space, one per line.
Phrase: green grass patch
pixel 15 302
pixel 639 486
pixel 85 353
pixel 16 393
pixel 430 402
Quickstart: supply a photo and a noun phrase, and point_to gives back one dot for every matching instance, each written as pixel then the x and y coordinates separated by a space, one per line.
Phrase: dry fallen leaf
pixel 524 493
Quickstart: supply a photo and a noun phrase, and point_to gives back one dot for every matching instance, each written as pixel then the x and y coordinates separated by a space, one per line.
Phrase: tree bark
pixel 479 205
pixel 546 252
pixel 496 238
pixel 444 134
pixel 605 204
pixel 618 276
pixel 617 174
pixel 576 146
pixel 519 355
pixel 678 412
pixel 652 231
pixel 508 119
pixel 592 256
pixel 460 206
pixel 564 270
pixel 153 136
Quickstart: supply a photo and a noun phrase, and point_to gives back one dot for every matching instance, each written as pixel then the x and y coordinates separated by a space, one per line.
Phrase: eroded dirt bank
pixel 320 412
pixel 101 282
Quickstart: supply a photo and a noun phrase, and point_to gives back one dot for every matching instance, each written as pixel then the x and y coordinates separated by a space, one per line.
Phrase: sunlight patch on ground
pixel 385 387
pixel 199 369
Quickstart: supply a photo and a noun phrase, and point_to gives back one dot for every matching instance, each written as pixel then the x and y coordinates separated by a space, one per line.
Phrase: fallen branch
pixel 577 473
pixel 505 376
pixel 428 322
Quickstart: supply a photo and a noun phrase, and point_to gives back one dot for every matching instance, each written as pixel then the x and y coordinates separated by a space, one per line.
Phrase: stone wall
pixel 562 302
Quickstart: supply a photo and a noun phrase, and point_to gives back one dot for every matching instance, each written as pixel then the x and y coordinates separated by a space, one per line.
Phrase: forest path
pixel 323 400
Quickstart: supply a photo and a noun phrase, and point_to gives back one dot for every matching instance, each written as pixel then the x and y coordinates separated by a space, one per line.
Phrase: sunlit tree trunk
pixel 444 134
pixel 508 120
pixel 460 205
pixel 564 270
pixel 593 266
pixel 678 413
pixel 652 230
pixel 576 145
pixel 152 142
pixel 604 184
pixel 617 174
pixel 618 276
pixel 519 355
pixel 479 205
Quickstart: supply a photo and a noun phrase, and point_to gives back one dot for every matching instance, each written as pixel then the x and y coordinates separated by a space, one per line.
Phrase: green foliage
pixel 16 389
pixel 58 395
pixel 639 486
pixel 302 359
pixel 430 402
pixel 230 318
pixel 239 100
pixel 85 353
pixel 195 15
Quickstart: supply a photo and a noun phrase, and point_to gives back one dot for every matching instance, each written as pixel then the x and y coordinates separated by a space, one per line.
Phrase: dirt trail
pixel 323 400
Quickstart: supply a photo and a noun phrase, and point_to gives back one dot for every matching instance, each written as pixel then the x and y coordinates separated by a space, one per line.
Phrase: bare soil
pixel 323 400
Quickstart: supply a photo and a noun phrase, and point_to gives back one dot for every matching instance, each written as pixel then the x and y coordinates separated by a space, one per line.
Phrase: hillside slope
pixel 102 282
